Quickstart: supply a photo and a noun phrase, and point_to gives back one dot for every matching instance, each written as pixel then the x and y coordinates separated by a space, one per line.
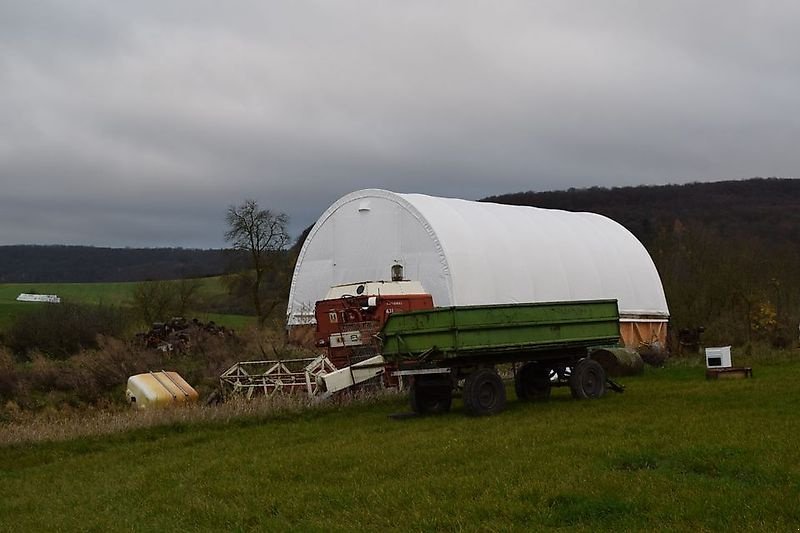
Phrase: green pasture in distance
pixel 119 294
pixel 237 322
pixel 106 293
pixel 673 453
pixel 8 312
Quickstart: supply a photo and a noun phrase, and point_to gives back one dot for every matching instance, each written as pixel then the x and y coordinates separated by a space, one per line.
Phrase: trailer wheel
pixel 532 382
pixel 431 396
pixel 484 392
pixel 588 380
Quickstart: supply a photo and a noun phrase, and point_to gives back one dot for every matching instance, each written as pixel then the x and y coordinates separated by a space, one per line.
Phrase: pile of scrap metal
pixel 177 334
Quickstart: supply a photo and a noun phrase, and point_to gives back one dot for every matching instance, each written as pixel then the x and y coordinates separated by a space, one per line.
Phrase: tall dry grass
pixel 53 400
pixel 96 378
pixel 68 424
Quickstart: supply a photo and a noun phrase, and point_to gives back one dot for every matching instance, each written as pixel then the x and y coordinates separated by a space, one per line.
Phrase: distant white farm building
pixel 46 298
pixel 475 253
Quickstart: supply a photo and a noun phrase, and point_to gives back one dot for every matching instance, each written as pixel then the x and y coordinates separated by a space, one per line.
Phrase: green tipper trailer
pixel 555 342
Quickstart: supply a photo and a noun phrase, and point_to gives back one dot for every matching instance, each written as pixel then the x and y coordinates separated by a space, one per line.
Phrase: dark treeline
pixel 84 264
pixel 728 252
pixel 765 208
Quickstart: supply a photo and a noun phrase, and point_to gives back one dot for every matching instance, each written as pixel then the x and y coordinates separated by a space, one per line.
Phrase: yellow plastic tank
pixel 158 389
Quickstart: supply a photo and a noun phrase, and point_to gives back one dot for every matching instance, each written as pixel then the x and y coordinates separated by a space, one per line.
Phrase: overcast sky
pixel 138 123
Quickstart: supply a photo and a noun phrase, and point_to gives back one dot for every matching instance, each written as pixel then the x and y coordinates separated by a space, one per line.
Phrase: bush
pixel 97 377
pixel 88 378
pixel 9 380
pixel 157 301
pixel 96 374
pixel 61 330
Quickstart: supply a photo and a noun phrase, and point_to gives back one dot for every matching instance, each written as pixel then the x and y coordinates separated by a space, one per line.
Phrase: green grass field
pixel 107 293
pixel 674 452
pixel 102 293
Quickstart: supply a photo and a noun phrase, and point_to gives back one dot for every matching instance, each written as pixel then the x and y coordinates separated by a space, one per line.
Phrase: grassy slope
pixel 109 293
pixel 674 452
pixel 106 293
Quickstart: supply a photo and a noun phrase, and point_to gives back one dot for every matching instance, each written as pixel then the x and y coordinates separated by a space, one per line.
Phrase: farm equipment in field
pixel 268 378
pixel 348 321
pixel 311 376
pixel 557 344
pixel 389 334
pixel 159 389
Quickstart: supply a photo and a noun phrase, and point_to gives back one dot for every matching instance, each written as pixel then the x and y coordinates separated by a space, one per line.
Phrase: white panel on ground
pixel 352 375
pixel 46 298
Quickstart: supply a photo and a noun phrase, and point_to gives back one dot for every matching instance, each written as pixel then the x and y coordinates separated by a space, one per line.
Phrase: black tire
pixel 532 382
pixel 588 380
pixel 431 397
pixel 484 393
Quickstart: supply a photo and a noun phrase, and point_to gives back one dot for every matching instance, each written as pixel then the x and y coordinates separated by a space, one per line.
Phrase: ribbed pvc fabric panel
pixel 475 253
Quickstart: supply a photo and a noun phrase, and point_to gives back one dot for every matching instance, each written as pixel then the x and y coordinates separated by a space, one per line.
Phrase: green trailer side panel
pixel 463 331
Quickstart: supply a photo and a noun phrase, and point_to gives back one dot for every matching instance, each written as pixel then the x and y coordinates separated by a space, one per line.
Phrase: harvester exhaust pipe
pixel 397 272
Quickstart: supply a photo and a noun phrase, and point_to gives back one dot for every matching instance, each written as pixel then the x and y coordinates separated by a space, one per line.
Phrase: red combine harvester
pixel 351 315
pixel 347 321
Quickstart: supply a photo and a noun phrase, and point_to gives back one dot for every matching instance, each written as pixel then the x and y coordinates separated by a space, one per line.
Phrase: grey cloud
pixel 138 123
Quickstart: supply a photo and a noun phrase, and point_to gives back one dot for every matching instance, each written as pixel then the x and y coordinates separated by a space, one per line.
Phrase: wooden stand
pixel 736 372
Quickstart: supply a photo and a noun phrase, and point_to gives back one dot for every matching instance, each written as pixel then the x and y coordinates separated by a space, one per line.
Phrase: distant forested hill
pixel 83 264
pixel 728 252
pixel 767 208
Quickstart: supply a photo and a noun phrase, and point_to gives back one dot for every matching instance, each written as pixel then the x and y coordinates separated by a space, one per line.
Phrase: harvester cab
pixel 351 315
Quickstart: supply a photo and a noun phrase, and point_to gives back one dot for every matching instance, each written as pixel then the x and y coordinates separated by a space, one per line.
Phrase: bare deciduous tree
pixel 160 300
pixel 259 233
pixel 153 300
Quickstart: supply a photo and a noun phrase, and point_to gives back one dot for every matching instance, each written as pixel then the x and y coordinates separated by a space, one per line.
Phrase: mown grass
pixel 674 452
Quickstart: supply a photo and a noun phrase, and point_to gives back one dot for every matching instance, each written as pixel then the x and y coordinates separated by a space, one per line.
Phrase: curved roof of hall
pixel 473 253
